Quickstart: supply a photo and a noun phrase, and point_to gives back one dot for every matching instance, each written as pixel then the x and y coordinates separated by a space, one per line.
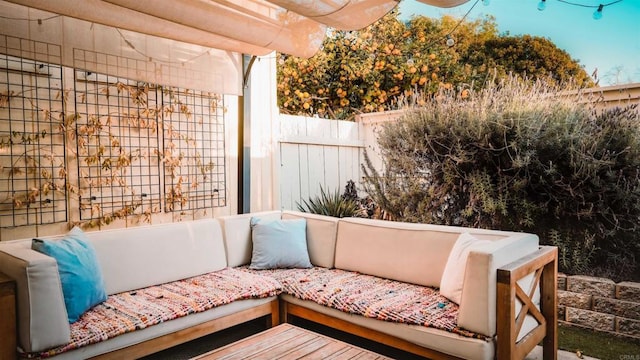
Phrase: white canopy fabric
pixel 180 41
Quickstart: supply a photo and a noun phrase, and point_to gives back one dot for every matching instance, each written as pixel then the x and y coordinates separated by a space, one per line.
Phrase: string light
pixel 597 14
pixel 39 21
pixel 486 2
pixel 450 42
pixel 542 5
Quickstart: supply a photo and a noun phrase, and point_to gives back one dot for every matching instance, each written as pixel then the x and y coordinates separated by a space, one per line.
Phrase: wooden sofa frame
pixel 543 263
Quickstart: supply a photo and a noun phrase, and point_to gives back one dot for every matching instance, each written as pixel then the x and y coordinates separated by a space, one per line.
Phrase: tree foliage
pixel 513 156
pixel 368 70
pixel 531 56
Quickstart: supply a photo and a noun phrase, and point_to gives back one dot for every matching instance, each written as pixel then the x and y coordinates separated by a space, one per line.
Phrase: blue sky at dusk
pixel 611 44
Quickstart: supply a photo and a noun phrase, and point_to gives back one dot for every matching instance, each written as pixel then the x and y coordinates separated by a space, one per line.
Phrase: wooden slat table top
pixel 287 341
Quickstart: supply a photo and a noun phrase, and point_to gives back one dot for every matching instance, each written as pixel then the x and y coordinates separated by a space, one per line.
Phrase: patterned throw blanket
pixel 371 296
pixel 129 311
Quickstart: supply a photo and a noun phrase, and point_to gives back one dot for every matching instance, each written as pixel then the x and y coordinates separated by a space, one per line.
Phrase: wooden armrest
pixel 8 345
pixel 544 265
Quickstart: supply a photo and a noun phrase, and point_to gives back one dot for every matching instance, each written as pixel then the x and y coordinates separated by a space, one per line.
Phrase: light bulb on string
pixel 486 2
pixel 597 15
pixel 450 42
pixel 542 5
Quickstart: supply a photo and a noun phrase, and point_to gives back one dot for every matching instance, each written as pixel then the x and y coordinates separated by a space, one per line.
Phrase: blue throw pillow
pixel 279 244
pixel 80 275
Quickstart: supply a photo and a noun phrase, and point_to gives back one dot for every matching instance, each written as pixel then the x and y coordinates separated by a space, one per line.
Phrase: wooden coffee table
pixel 286 341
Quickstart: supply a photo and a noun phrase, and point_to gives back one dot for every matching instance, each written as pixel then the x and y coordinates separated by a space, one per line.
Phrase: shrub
pixel 519 157
pixel 331 204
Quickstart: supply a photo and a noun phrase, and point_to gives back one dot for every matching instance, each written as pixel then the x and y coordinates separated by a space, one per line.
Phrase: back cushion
pixel 237 235
pixel 413 253
pixel 138 257
pixel 321 236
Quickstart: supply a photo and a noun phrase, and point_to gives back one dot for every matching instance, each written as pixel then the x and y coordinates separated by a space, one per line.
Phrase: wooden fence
pixel 317 153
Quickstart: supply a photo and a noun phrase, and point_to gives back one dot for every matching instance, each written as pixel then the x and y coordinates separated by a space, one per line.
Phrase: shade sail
pixel 443 3
pixel 171 39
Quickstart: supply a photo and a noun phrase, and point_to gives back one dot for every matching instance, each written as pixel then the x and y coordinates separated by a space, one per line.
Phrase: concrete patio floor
pixel 536 354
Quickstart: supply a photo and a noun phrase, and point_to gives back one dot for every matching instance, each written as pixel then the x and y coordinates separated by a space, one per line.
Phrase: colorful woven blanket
pixel 129 311
pixel 371 296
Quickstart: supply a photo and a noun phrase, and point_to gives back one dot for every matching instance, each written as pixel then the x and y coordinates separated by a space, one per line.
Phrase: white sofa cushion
pixel 138 257
pixel 321 236
pixel 42 316
pixel 413 253
pixel 478 303
pixel 236 230
pixel 453 276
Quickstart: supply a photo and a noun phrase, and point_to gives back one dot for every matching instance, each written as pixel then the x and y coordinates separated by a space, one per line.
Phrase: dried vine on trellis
pixel 29 162
pixel 98 147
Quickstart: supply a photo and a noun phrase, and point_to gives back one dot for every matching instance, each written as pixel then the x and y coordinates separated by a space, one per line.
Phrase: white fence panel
pixel 290 175
pixel 317 153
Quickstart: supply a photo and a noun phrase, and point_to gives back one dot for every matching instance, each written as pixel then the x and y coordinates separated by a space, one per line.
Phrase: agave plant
pixel 330 204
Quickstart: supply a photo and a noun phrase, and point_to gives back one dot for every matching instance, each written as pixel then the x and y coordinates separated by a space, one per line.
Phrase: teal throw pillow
pixel 80 275
pixel 279 244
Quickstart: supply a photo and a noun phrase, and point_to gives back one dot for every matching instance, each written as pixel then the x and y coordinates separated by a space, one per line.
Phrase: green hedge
pixel 520 157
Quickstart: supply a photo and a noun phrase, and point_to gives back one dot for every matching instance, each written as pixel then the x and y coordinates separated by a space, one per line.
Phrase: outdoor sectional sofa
pixel 171 283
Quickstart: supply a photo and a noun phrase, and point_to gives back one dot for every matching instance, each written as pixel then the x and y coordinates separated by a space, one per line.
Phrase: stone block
pixel 628 326
pixel 591 285
pixel 629 291
pixel 561 312
pixel 622 308
pixel 562 281
pixel 590 319
pixel 574 300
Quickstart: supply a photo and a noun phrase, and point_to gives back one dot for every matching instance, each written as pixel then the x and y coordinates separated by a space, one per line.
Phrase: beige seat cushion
pixel 439 340
pixel 413 253
pixel 321 236
pixel 236 230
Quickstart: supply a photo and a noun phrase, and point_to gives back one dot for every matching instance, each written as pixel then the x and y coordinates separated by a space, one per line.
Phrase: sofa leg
pixel 274 318
pixel 283 312
pixel 8 341
pixel 548 305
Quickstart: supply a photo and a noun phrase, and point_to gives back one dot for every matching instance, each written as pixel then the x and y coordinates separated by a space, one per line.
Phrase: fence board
pixel 290 178
pixel 332 179
pixel 349 163
pixel 303 176
pixel 317 169
pixel 327 154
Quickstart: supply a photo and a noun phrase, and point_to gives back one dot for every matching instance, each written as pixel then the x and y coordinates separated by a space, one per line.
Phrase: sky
pixel 611 45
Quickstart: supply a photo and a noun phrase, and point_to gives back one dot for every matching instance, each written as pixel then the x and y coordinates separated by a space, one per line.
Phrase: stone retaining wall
pixel 600 304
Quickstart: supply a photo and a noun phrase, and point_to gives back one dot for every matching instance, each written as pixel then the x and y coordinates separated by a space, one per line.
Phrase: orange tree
pixel 369 70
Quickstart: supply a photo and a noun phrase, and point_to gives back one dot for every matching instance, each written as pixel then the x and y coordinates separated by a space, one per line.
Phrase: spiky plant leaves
pixel 330 204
